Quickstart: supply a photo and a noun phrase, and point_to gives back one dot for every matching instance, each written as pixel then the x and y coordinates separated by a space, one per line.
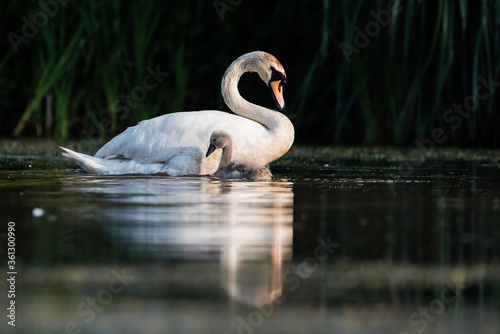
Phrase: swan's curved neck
pixel 271 119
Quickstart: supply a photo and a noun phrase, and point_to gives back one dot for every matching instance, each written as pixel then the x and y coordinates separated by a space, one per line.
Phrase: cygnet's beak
pixel 211 148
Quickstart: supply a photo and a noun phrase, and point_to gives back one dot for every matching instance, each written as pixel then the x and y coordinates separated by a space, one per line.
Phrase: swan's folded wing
pixel 177 139
pixel 162 138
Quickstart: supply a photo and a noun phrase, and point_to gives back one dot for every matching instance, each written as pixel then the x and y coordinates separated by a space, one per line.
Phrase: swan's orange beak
pixel 277 90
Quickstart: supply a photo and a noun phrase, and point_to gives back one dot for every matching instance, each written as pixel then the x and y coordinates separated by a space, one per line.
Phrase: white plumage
pixel 175 143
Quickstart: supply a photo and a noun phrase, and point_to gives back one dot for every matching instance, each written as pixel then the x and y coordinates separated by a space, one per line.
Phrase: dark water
pixel 345 240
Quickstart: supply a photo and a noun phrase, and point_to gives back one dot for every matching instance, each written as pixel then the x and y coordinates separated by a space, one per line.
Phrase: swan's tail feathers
pixel 88 163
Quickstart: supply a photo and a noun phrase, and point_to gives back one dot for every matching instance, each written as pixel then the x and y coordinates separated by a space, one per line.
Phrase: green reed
pixel 428 58
pixel 396 89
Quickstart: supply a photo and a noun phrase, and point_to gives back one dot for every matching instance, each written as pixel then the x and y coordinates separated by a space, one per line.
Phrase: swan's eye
pixel 277 76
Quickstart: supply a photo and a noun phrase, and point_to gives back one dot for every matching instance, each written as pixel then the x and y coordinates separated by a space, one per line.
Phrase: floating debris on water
pixel 38 212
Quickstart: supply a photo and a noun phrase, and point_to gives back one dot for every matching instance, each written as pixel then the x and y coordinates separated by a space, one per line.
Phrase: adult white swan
pixel 176 143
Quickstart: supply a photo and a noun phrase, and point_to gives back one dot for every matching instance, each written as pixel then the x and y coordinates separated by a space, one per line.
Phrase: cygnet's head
pixel 218 139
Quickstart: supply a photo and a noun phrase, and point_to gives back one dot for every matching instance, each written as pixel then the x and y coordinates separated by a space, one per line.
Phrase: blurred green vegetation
pixel 358 71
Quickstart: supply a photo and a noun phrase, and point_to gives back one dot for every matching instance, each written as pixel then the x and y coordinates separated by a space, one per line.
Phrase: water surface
pixel 358 240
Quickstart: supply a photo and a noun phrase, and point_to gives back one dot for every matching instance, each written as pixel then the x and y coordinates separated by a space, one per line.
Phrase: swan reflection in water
pixel 245 225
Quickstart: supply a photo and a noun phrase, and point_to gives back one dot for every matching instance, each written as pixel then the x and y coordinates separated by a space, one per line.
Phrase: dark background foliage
pixel 399 82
